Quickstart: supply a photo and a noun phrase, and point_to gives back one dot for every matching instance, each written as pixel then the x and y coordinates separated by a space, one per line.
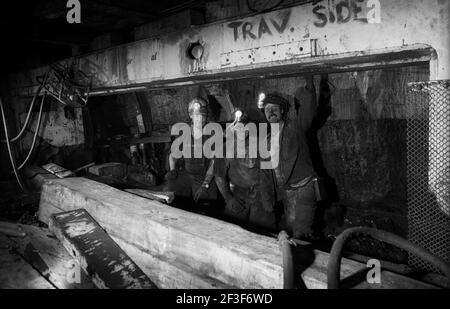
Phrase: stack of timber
pixel 179 249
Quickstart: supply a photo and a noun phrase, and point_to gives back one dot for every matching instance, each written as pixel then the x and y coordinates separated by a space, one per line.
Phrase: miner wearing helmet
pixel 294 174
pixel 242 183
pixel 194 181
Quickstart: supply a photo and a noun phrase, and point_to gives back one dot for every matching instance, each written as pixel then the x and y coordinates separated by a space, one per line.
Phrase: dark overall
pixel 247 182
pixel 294 180
pixel 191 178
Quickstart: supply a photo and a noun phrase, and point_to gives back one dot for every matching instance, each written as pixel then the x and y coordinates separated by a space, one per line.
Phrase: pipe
pixel 334 262
pixel 8 144
pixel 288 262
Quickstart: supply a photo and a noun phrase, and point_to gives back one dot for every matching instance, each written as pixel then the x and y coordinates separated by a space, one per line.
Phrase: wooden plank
pixel 167 275
pixel 11 229
pixel 54 261
pixel 209 247
pixel 58 171
pixel 162 272
pixel 15 273
pixel 36 176
pixel 109 169
pixel 97 253
pixel 160 196
pixel 146 112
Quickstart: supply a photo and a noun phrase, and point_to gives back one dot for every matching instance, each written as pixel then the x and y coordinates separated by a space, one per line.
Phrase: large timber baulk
pixel 179 249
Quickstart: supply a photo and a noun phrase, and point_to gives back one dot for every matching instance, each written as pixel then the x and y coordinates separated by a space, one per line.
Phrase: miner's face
pixel 272 112
pixel 198 118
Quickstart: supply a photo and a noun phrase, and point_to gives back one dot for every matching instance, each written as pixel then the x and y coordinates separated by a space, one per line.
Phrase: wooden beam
pixel 196 244
pixel 211 248
pixel 35 176
pixel 146 112
pixel 97 253
pixel 168 274
pixel 160 196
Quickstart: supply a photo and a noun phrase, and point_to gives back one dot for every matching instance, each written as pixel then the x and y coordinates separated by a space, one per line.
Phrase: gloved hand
pixel 202 191
pixel 234 204
pixel 171 175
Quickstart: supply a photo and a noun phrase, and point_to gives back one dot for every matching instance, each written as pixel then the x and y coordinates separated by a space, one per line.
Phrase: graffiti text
pixel 343 11
pixel 256 29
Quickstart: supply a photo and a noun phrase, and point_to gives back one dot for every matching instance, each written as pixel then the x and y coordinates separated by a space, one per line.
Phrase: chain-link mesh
pixel 428 169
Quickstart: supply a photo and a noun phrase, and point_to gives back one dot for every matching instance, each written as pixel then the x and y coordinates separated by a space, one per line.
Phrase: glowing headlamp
pixel 196 106
pixel 261 98
pixel 237 116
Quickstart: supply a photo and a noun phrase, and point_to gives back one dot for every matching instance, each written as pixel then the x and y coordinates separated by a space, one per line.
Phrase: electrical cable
pixel 35 133
pixel 27 119
pixel 11 157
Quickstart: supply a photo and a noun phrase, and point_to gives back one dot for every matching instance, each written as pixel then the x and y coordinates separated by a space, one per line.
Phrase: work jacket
pixel 295 163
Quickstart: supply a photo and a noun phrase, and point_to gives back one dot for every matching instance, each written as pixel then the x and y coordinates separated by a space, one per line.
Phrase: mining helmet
pixel 241 115
pixel 198 106
pixel 272 98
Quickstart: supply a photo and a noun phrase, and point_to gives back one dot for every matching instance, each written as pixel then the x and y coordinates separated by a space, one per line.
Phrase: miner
pixel 294 175
pixel 245 187
pixel 193 183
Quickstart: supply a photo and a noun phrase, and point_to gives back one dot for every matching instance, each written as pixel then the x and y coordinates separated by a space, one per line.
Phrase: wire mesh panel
pixel 428 169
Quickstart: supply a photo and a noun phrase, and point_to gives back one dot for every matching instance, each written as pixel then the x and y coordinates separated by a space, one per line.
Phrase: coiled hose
pixel 334 262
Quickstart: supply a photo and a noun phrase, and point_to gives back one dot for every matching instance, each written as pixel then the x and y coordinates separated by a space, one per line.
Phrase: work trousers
pixel 299 210
pixel 251 211
pixel 185 187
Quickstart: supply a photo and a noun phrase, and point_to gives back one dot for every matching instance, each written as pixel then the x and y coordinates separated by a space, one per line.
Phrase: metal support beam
pixel 292 40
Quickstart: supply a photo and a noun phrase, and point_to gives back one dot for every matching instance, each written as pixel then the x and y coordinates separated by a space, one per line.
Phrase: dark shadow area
pixel 354 279
pixel 304 257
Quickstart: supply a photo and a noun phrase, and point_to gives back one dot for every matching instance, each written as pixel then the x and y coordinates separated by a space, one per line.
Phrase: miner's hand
pixel 234 204
pixel 171 175
pixel 200 192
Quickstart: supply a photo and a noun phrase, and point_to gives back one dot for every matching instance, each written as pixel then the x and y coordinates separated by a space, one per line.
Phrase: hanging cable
pixel 35 133
pixel 11 157
pixel 27 119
